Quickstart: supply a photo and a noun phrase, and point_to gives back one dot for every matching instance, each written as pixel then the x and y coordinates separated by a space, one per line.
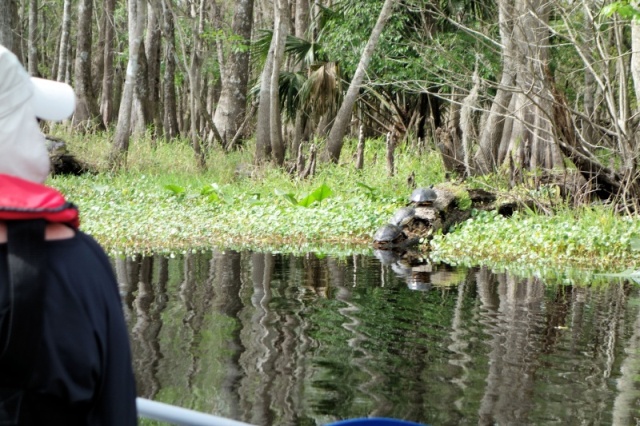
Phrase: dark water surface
pixel 274 339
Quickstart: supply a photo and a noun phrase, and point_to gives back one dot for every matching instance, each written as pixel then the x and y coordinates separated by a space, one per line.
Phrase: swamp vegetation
pixel 163 203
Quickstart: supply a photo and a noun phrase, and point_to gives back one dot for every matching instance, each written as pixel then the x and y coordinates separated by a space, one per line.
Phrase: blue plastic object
pixel 374 421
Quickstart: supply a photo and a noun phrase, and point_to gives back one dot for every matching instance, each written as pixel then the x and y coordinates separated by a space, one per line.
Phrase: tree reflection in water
pixel 281 340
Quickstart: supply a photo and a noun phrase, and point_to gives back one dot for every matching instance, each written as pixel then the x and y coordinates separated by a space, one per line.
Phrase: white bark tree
pixel 232 105
pixel 123 128
pixel 275 120
pixel 32 46
pixel 341 123
pixel 63 58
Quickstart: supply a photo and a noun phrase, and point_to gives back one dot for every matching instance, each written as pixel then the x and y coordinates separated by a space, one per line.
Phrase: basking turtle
pixel 389 236
pixel 403 216
pixel 423 197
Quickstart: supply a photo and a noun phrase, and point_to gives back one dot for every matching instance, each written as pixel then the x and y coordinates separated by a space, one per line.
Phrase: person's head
pixel 23 99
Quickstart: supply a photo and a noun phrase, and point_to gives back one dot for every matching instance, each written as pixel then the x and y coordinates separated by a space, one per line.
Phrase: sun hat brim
pixel 52 100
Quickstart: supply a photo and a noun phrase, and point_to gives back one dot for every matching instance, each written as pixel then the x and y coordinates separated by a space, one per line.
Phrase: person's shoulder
pixel 88 240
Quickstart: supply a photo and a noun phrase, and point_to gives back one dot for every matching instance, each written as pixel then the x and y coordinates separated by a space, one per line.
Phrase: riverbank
pixel 162 203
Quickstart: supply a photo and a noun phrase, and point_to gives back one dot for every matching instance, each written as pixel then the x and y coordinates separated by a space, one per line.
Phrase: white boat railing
pixel 180 416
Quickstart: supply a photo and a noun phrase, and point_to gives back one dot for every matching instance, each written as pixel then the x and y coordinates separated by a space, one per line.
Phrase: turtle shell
pixel 423 196
pixel 388 233
pixel 403 216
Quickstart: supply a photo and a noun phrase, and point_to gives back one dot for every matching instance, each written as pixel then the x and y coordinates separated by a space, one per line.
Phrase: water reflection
pixel 282 340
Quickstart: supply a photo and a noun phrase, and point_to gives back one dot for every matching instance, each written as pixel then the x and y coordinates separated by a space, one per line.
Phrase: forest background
pixel 535 99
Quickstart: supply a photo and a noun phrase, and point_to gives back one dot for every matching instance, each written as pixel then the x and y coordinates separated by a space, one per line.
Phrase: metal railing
pixel 180 416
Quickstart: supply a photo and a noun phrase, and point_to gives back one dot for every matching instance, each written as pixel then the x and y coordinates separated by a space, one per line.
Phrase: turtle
pixel 423 197
pixel 403 216
pixel 389 236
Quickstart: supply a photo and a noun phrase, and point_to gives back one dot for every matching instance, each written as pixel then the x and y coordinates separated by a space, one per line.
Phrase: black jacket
pixel 83 372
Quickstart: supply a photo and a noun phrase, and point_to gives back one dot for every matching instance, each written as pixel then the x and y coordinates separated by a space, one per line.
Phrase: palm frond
pixel 302 50
pixel 260 46
pixel 290 84
pixel 322 91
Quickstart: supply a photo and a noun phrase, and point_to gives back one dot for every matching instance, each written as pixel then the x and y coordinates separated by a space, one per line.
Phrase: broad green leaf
pixel 287 196
pixel 176 189
pixel 318 195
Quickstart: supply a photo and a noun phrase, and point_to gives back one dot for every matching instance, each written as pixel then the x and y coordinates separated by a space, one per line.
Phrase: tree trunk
pixel 300 30
pixel 86 107
pixel 487 158
pixel 141 114
pixel 152 46
pixel 122 135
pixel 275 120
pixel 528 131
pixel 97 70
pixel 336 136
pixel 263 132
pixel 195 73
pixel 232 105
pixel 10 26
pixel 33 38
pixel 170 119
pixel 106 104
pixel 469 104
pixel 64 42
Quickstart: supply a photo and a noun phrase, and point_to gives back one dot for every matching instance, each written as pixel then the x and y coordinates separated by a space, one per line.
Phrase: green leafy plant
pixel 317 196
pixel 176 190
pixel 321 193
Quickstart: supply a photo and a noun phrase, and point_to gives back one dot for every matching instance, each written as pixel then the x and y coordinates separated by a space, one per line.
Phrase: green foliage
pixel 625 8
pixel 590 238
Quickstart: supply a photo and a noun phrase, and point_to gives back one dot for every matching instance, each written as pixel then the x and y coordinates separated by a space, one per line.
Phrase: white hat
pixel 22 149
pixel 50 100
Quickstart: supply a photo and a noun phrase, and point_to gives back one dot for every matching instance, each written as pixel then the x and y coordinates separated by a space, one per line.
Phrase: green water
pixel 280 340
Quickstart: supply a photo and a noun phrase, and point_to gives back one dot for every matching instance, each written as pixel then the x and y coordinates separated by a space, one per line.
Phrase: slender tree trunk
pixel 33 38
pixel 141 115
pixel 87 107
pixel 195 73
pixel 64 41
pixel 121 138
pixel 97 70
pixel 469 104
pixel 275 122
pixel 106 104
pixel 590 87
pixel 263 130
pixel 152 46
pixel 170 119
pixel 302 21
pixel 336 136
pixel 232 105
